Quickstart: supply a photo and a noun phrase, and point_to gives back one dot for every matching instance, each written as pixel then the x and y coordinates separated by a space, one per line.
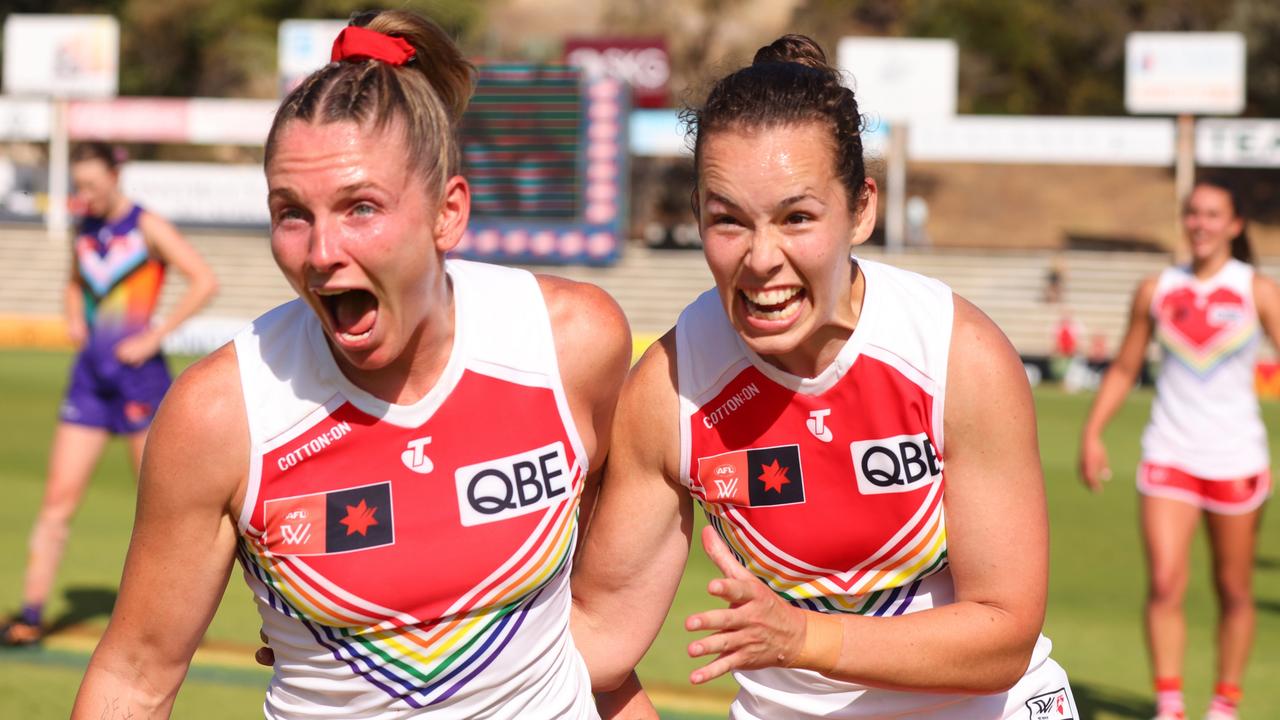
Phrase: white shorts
pixel 1043 693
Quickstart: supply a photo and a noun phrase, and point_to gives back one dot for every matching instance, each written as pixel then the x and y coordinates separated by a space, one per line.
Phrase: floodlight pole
pixel 1184 173
pixel 896 192
pixel 1185 162
pixel 55 212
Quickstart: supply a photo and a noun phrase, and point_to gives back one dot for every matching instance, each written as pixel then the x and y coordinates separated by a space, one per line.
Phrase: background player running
pixel 399 452
pixel 1204 452
pixel 862 441
pixel 118 262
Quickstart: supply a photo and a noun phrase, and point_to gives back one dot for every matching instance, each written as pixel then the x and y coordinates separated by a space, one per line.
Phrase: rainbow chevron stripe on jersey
pixel 831 489
pixel 415 559
pixel 120 278
pixel 1205 419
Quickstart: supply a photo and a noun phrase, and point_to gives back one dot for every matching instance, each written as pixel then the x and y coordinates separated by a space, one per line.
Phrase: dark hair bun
pixel 800 49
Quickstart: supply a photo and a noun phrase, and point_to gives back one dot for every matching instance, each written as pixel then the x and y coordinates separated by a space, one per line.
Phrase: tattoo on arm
pixel 111 710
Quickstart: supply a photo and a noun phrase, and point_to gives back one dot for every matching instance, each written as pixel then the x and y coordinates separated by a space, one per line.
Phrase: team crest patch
pixel 758 477
pixel 331 522
pixel 1055 705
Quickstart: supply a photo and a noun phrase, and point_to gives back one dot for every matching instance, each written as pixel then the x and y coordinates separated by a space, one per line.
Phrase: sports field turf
pixel 1095 593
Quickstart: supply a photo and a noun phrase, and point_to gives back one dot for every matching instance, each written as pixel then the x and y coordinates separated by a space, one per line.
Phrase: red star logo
pixel 359 518
pixel 773 476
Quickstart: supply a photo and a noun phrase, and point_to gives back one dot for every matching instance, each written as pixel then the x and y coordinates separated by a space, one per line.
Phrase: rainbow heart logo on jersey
pixel 758 477
pixel 330 522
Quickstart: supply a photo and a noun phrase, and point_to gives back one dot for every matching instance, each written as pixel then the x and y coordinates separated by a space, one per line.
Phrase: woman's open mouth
pixel 352 312
pixel 772 304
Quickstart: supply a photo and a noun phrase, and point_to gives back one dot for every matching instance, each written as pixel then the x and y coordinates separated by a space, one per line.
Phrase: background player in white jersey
pixel 809 403
pixel 1205 449
pixel 118 261
pixel 396 457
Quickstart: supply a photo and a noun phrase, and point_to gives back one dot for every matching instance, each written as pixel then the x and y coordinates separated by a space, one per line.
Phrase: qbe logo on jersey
pixel 512 486
pixel 901 463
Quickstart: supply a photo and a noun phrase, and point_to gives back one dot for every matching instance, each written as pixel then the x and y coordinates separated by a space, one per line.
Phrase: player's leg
pixel 72 457
pixel 1167 528
pixel 1233 539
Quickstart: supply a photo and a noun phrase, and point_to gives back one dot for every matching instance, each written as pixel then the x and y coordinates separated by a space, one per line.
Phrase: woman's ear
pixel 453 213
pixel 865 220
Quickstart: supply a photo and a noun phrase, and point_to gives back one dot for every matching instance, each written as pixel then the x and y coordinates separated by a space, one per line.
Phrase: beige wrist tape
pixel 823 643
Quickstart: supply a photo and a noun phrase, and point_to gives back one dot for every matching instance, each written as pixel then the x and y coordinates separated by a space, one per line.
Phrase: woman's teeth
pixel 773 304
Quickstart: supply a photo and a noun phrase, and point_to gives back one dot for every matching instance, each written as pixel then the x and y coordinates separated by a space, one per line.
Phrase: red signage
pixel 642 63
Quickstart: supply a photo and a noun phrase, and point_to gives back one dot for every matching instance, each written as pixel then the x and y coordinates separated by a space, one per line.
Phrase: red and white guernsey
pixel 414 559
pixel 1205 419
pixel 831 489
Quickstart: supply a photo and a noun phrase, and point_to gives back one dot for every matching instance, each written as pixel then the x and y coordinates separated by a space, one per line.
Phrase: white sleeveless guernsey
pixel 1205 419
pixel 413 560
pixel 831 489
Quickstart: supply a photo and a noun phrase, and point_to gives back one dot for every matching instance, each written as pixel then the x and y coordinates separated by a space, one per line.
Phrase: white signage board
pixel 24 119
pixel 61 55
pixel 660 133
pixel 1175 73
pixel 1238 143
pixel 304 47
pixel 1050 140
pixel 901 79
pixel 199 193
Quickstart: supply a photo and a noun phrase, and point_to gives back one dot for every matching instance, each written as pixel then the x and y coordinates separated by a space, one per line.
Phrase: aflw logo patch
pixel 895 464
pixel 330 522
pixel 757 477
pixel 1051 706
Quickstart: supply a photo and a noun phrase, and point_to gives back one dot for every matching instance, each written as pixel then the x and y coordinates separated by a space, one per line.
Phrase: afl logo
pixel 901 463
pixel 512 486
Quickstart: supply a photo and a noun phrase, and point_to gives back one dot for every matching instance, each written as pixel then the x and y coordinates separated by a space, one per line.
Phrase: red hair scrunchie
pixel 357 43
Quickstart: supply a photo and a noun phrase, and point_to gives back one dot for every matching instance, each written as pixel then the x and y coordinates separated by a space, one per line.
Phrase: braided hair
pixel 427 95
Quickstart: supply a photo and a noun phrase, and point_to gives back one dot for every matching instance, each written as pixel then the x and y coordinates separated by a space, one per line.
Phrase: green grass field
pixel 1095 588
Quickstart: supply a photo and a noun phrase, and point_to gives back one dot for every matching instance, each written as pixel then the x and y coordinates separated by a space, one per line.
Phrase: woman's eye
pixel 724 220
pixel 363 209
pixel 287 214
pixel 794 218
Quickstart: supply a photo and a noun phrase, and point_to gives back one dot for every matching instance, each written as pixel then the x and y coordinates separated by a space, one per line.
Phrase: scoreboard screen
pixel 545 153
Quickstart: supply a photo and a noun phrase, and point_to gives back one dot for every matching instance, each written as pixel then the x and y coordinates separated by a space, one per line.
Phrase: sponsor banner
pixel 217 121
pixel 200 121
pixel 199 193
pixel 129 119
pixel 1238 143
pixel 61 55
pixel 642 63
pixel 1184 72
pixel 1051 140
